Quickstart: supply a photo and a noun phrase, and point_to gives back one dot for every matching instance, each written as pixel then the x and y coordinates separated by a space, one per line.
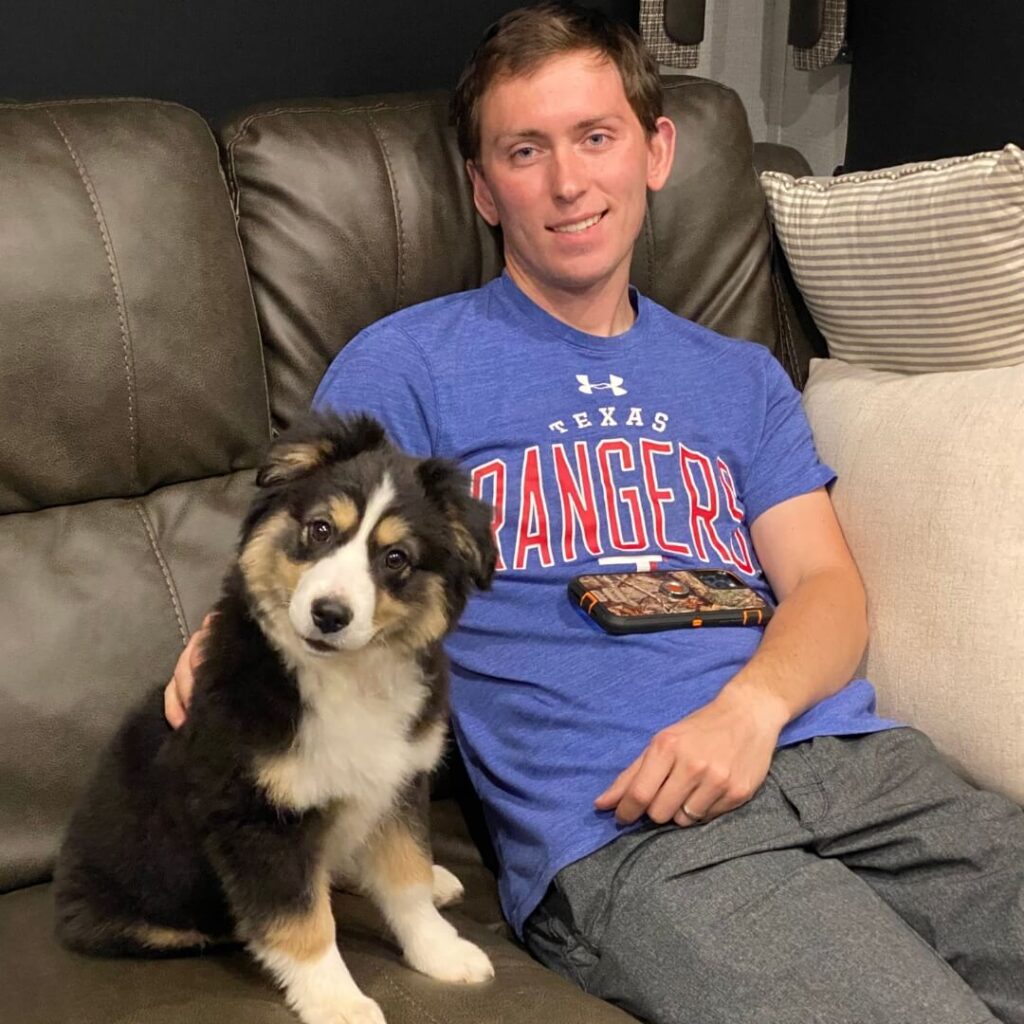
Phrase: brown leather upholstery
pixel 134 406
pixel 351 209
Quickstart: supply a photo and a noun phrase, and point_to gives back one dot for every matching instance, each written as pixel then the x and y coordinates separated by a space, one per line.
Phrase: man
pixel 701 825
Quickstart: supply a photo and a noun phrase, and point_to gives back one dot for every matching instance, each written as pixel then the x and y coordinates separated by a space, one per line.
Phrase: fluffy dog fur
pixel 320 703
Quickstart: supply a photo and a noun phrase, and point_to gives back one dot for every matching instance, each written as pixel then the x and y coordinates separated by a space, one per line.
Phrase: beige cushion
pixel 930 496
pixel 914 268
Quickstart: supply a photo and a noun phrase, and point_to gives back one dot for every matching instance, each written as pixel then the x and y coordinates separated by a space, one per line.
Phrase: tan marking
pixel 269 573
pixel 278 775
pixel 305 936
pixel 275 778
pixel 344 513
pixel 432 623
pixel 396 858
pixel 158 937
pixel 287 461
pixel 391 530
pixel 465 545
pixel 414 625
pixel 388 612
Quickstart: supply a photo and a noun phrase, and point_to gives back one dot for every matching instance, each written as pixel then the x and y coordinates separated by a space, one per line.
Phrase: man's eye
pixel 396 559
pixel 597 138
pixel 320 531
pixel 523 153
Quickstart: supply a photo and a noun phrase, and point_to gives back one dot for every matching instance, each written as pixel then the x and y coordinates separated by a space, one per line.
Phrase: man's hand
pixel 178 692
pixel 702 766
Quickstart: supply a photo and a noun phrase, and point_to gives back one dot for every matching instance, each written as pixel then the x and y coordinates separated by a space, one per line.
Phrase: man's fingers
pixel 178 692
pixel 613 794
pixel 641 791
pixel 194 647
pixel 678 786
pixel 709 801
pixel 173 711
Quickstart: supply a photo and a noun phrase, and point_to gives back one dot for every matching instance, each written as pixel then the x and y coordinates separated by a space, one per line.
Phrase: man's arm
pixel 716 759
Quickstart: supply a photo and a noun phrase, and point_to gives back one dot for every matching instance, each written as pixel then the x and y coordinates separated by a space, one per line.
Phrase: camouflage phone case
pixel 645 602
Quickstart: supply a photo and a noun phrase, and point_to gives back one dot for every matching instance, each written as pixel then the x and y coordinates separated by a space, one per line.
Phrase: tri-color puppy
pixel 320 703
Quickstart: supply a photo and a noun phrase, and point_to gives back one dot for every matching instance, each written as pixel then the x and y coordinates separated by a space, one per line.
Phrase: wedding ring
pixel 698 818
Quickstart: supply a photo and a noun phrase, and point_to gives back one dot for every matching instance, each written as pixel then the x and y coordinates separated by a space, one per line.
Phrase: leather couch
pixel 170 295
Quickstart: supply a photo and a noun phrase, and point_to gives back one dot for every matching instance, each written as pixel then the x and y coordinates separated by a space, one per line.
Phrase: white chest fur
pixel 353 745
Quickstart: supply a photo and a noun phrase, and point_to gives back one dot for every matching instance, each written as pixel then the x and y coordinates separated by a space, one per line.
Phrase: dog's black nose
pixel 330 616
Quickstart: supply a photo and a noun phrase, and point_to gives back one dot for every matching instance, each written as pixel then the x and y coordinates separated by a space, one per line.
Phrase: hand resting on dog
pixel 178 692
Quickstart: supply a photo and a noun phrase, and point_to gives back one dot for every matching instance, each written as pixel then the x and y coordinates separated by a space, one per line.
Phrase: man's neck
pixel 604 310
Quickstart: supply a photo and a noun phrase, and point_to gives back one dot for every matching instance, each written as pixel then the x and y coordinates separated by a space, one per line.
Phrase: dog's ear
pixel 470 518
pixel 315 441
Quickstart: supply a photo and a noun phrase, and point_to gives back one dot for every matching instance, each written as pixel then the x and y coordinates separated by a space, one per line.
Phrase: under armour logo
pixel 614 384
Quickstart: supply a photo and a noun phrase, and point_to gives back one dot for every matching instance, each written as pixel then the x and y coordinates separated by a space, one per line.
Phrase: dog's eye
pixel 320 531
pixel 396 559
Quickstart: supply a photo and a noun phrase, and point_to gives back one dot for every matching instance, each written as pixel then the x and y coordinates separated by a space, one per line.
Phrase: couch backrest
pixel 132 408
pixel 133 401
pixel 351 209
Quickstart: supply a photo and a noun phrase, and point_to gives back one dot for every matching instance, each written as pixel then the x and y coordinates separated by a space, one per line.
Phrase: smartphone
pixel 646 602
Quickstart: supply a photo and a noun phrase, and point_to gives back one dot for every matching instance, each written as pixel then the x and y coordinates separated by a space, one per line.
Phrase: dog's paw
pixel 453 959
pixel 360 1010
pixel 447 888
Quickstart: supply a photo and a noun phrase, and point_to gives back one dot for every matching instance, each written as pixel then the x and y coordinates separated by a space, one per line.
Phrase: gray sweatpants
pixel 865 883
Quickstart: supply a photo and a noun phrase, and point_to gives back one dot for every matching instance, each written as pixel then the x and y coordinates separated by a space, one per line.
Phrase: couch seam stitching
pixel 122 313
pixel 396 203
pixel 168 579
pixel 360 109
pixel 400 990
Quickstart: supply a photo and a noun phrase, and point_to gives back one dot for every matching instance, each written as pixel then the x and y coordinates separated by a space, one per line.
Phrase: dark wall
pixel 933 78
pixel 218 55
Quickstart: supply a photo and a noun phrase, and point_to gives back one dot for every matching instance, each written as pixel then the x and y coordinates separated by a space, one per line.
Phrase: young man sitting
pixel 700 825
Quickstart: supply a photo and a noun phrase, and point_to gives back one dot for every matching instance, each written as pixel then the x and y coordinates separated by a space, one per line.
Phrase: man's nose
pixel 569 175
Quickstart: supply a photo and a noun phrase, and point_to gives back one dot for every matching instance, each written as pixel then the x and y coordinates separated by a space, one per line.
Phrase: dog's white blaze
pixel 345 576
pixel 352 744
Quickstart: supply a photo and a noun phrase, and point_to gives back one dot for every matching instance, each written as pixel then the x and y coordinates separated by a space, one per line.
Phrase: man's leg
pixel 947 857
pixel 735 921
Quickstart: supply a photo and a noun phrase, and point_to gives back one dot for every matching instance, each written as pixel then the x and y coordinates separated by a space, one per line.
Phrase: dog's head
pixel 351 541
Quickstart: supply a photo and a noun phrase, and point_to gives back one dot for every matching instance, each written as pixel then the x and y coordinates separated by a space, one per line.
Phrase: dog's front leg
pixel 396 871
pixel 288 926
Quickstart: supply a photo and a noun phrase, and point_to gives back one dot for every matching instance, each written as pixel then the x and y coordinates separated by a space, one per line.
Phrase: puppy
pixel 319 706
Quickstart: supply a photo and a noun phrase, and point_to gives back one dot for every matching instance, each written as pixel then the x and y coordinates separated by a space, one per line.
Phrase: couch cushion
pixel 929 495
pixel 97 601
pixel 45 984
pixel 129 355
pixel 912 268
pixel 351 209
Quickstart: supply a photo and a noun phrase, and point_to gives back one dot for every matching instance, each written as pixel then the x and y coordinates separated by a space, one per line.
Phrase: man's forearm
pixel 810 649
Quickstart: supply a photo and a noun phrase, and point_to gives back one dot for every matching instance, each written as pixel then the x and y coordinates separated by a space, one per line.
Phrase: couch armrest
pixel 771 156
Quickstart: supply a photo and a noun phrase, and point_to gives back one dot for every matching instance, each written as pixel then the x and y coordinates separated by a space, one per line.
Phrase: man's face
pixel 564 168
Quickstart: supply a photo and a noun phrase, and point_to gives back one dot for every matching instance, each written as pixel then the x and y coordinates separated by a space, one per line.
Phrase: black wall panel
pixel 218 55
pixel 933 78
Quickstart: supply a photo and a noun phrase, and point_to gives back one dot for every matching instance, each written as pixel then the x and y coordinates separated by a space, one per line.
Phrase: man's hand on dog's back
pixel 178 692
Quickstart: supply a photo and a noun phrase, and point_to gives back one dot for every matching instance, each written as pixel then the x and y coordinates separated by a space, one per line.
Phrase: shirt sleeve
pixel 383 372
pixel 785 463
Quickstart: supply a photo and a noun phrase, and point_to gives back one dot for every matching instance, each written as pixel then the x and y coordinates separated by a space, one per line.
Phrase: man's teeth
pixel 580 226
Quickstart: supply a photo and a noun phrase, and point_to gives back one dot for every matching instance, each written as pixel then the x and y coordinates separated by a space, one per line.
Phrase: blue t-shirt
pixel 666 441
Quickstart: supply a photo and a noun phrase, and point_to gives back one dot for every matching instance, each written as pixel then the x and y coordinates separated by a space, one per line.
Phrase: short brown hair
pixel 520 41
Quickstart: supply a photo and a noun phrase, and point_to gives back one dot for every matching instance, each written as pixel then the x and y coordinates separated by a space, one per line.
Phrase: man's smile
pixel 574 227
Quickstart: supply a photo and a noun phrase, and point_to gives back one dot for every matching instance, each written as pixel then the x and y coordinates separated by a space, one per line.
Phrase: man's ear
pixel 661 149
pixel 316 440
pixel 469 518
pixel 483 200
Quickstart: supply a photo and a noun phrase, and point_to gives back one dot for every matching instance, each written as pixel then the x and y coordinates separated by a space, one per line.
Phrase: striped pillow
pixel 915 268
